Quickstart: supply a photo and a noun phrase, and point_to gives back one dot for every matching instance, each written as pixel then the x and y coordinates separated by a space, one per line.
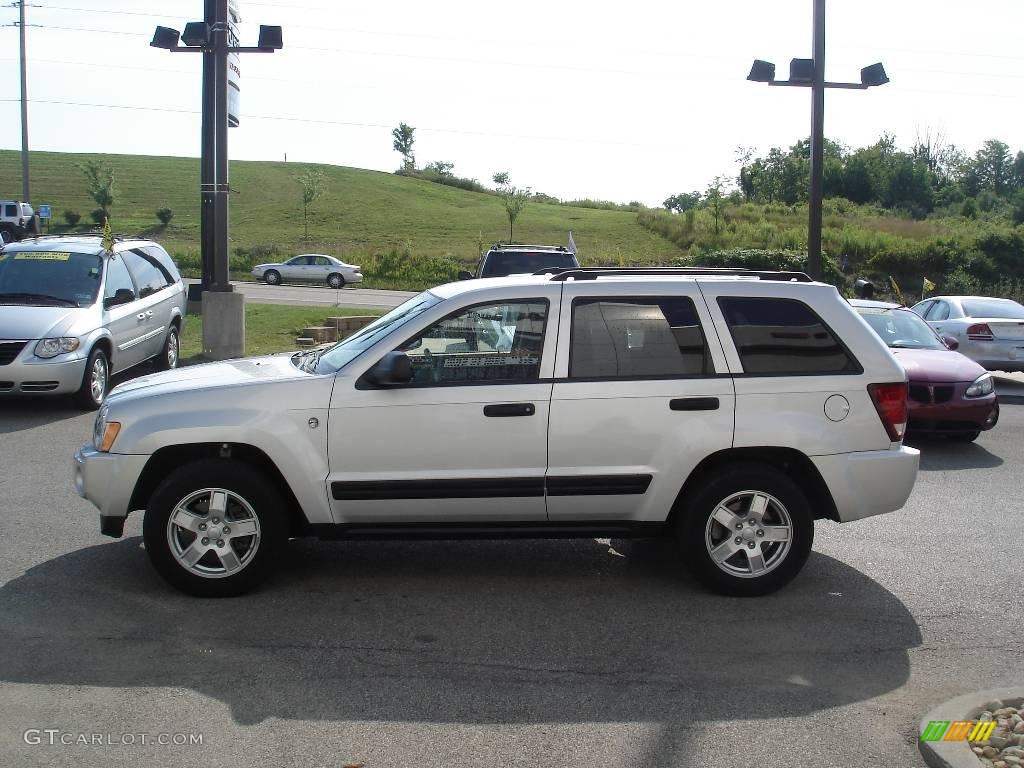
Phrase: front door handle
pixel 510 409
pixel 694 404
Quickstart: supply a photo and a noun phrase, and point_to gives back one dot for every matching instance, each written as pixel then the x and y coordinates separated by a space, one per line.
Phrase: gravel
pixel 1004 748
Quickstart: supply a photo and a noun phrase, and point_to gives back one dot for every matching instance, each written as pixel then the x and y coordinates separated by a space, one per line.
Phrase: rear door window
pixel 636 337
pixel 11 210
pixel 163 261
pixel 777 337
pixel 147 273
pixel 938 311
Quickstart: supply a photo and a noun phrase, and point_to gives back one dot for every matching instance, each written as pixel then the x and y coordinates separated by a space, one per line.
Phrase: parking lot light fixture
pixel 166 38
pixel 196 34
pixel 762 72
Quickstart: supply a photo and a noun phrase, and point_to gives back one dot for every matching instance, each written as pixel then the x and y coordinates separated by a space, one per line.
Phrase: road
pixel 354 298
pixel 553 653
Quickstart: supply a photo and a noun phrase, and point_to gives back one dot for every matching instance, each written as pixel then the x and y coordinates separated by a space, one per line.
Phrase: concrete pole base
pixel 223 325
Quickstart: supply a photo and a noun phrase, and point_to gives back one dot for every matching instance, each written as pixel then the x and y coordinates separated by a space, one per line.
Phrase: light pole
pixel 25 186
pixel 223 310
pixel 810 73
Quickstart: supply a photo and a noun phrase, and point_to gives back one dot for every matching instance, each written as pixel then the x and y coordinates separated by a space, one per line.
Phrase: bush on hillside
pixel 72 217
pixel 164 215
pixel 98 215
pixel 402 270
pixel 446 178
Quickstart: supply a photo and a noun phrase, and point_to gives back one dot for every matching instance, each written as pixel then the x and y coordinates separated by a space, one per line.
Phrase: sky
pixel 596 99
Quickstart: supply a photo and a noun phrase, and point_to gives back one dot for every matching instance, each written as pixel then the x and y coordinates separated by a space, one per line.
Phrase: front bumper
pixel 866 483
pixel 957 415
pixel 30 375
pixel 108 480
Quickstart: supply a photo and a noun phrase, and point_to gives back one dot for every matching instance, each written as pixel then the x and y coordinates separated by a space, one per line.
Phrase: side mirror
pixel 121 296
pixel 393 370
pixel 951 342
pixel 464 275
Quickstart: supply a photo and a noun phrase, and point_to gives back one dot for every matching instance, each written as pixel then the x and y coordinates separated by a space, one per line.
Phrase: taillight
pixel 979 332
pixel 21 222
pixel 891 403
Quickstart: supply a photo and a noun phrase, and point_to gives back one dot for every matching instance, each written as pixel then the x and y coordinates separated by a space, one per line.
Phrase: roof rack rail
pixel 526 246
pixel 592 273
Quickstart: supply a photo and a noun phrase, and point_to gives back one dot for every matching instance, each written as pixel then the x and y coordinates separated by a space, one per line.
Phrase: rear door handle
pixel 510 409
pixel 694 404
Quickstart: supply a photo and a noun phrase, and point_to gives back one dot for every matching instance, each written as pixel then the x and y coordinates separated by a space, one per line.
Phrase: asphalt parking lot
pixel 528 653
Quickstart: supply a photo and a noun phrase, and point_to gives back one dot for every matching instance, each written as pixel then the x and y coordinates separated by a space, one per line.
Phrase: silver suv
pixel 730 410
pixel 72 313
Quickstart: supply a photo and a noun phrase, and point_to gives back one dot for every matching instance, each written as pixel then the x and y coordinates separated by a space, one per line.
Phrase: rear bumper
pixel 996 355
pixel 867 483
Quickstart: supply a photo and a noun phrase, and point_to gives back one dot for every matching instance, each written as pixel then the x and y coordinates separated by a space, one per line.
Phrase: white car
pixel 989 331
pixel 310 268
pixel 728 411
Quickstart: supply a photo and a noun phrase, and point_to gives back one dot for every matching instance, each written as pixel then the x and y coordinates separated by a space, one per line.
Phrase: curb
pixel 958 754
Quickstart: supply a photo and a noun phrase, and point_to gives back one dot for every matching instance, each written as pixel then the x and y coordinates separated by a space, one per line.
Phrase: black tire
pixel 697 538
pixel 206 578
pixel 35 225
pixel 168 358
pixel 10 234
pixel 335 281
pixel 963 437
pixel 92 393
pixel 272 277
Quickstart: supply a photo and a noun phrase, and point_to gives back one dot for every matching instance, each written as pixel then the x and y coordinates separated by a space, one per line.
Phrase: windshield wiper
pixel 38 297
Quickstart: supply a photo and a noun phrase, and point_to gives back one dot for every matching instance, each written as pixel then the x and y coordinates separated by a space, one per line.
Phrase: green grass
pixel 269 328
pixel 362 213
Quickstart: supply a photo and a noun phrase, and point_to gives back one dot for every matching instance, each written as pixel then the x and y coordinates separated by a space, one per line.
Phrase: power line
pixel 350 124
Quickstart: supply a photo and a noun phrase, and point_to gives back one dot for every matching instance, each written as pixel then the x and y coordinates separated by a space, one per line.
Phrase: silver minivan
pixel 73 313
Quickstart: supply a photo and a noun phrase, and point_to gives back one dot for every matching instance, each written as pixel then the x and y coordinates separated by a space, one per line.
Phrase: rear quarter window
pixel 776 337
pixel 165 261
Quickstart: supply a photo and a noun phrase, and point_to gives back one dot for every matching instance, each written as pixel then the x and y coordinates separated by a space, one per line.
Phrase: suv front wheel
pixel 747 531
pixel 214 528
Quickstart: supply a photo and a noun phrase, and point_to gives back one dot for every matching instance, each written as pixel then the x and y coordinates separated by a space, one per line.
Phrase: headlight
pixel 982 386
pixel 104 432
pixel 53 347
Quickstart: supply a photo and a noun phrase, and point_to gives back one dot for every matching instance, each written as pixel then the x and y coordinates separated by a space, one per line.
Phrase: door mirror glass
pixel 951 342
pixel 121 296
pixel 464 275
pixel 393 370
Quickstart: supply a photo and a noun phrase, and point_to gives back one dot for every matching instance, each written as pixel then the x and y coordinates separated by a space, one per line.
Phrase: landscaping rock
pixel 305 342
pixel 321 333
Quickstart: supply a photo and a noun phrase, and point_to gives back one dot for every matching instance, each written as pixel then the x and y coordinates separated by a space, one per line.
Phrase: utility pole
pixel 208 166
pixel 25 187
pixel 817 186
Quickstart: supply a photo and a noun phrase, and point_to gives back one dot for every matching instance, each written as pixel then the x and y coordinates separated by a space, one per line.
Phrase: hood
pixel 253 370
pixel 19 321
pixel 264 266
pixel 937 365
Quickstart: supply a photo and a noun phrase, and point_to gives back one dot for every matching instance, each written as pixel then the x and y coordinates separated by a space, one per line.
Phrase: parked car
pixel 990 331
pixel 17 221
pixel 950 394
pixel 503 260
pixel 728 411
pixel 310 268
pixel 73 313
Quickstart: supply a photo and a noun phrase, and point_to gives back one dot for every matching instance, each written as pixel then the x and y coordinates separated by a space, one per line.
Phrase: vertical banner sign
pixel 234 71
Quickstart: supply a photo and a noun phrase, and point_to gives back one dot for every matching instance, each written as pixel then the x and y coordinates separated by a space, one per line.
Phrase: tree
pixel 404 139
pixel 714 201
pixel 441 168
pixel 313 186
pixel 514 199
pixel 165 215
pixel 682 202
pixel 99 184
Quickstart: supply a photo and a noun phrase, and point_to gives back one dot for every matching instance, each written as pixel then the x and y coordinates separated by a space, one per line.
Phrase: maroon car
pixel 949 393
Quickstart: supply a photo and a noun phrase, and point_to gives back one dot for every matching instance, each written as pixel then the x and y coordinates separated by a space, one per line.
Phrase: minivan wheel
pixel 168 359
pixel 95 380
pixel 747 531
pixel 336 281
pixel 214 528
pixel 273 277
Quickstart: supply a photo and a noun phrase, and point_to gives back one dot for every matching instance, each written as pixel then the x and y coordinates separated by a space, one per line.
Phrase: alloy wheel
pixel 213 533
pixel 749 534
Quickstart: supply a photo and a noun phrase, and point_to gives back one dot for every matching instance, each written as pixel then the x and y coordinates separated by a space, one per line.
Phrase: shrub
pixel 98 215
pixel 165 215
pixel 72 217
pixel 401 270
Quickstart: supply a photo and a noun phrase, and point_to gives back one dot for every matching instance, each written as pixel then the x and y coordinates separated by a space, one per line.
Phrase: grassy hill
pixel 361 214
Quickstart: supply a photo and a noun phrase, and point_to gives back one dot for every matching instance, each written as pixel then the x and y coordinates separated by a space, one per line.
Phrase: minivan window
pixel 164 261
pixel 500 264
pixel 45 278
pixel 148 276
pixel 635 337
pixel 783 336
pixel 117 278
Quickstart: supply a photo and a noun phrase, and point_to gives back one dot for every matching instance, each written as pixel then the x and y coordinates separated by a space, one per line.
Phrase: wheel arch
pixel 170 458
pixel 794 464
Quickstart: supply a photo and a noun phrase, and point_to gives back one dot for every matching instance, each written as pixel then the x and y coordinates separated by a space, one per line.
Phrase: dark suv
pixel 503 260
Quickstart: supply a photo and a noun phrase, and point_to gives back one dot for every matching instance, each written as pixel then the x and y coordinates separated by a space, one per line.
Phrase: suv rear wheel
pixel 214 528
pixel 747 531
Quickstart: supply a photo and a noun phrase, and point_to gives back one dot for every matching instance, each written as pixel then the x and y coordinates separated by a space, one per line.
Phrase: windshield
pixel 48 278
pixel 344 352
pixel 519 262
pixel 997 308
pixel 901 328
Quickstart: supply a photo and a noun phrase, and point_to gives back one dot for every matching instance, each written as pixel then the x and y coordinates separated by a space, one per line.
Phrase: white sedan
pixel 990 331
pixel 310 268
